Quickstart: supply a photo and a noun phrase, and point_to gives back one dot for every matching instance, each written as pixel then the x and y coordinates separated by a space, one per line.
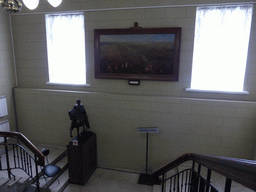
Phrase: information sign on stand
pixel 147 179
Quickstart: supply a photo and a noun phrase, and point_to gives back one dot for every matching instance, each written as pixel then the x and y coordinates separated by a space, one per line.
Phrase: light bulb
pixel 31 4
pixel 54 3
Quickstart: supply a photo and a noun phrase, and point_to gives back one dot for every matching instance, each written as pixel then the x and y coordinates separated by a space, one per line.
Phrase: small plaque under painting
pixel 148 130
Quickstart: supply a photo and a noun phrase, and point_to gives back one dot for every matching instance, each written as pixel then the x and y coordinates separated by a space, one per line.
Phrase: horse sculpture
pixel 79 118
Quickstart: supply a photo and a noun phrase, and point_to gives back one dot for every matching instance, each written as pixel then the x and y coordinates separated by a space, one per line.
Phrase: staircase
pixel 20 171
pixel 60 181
pixel 205 173
pixel 22 182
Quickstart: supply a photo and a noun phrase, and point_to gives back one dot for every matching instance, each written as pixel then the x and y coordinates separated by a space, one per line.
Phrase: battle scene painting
pixel 137 55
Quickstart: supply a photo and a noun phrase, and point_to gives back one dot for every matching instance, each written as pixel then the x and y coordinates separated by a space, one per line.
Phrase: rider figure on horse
pixel 79 118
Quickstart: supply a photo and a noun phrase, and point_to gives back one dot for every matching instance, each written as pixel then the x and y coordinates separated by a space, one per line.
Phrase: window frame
pixel 242 92
pixel 85 58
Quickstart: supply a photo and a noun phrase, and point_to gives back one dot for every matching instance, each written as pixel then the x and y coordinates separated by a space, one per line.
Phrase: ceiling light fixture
pixel 11 5
pixel 16 5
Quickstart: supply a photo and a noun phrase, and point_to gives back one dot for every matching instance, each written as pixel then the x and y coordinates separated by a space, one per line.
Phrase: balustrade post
pixel 14 156
pixel 37 176
pixel 190 176
pixel 163 183
pixel 187 184
pixel 228 185
pixel 199 169
pixel 208 180
pixel 7 158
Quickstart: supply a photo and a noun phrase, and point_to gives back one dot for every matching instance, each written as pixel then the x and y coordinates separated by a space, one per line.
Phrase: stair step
pixel 60 184
pixel 52 180
pixel 10 185
pixel 55 161
pixel 24 183
pixel 33 189
pixel 157 188
pixel 13 182
pixel 4 181
pixel 61 156
pixel 60 161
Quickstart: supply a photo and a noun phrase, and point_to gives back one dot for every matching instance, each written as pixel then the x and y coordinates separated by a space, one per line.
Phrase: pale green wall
pixel 7 77
pixel 31 54
pixel 215 127
pixel 218 124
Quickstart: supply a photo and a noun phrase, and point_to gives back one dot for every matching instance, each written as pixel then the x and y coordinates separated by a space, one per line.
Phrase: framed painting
pixel 137 53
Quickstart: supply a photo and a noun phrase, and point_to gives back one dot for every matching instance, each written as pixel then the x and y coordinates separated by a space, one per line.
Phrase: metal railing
pixel 191 180
pixel 21 158
pixel 180 182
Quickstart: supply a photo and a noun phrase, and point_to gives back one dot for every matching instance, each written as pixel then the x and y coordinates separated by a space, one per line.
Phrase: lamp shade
pixel 54 3
pixel 31 4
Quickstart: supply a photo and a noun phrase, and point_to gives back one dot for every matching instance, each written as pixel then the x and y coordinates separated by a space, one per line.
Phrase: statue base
pixel 81 138
pixel 147 179
pixel 82 158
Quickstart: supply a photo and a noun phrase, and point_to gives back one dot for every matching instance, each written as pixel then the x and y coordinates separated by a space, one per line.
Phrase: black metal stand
pixel 146 179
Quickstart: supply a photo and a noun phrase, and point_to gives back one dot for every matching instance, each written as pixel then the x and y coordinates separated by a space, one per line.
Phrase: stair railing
pixel 241 171
pixel 21 157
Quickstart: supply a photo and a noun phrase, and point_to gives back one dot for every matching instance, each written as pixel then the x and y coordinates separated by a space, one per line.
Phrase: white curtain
pixel 220 47
pixel 66 48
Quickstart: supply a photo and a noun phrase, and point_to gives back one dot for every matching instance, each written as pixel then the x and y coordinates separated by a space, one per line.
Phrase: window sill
pixel 213 91
pixel 76 85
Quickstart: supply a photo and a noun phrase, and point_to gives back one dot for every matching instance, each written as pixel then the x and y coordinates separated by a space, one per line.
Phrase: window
pixel 66 48
pixel 220 48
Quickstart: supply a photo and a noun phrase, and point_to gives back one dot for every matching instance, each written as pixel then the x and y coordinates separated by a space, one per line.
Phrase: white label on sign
pixel 148 130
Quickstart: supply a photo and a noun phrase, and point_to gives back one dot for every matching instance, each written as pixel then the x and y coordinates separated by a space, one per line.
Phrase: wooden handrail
pixel 173 164
pixel 39 156
pixel 239 170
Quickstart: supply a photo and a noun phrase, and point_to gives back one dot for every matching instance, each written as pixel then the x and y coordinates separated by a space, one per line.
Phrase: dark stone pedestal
pixel 146 179
pixel 82 158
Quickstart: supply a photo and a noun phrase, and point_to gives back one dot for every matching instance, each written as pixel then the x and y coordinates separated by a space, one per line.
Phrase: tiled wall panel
pixel 114 118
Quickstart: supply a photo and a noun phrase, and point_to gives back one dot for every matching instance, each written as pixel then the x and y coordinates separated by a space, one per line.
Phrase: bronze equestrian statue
pixel 79 118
